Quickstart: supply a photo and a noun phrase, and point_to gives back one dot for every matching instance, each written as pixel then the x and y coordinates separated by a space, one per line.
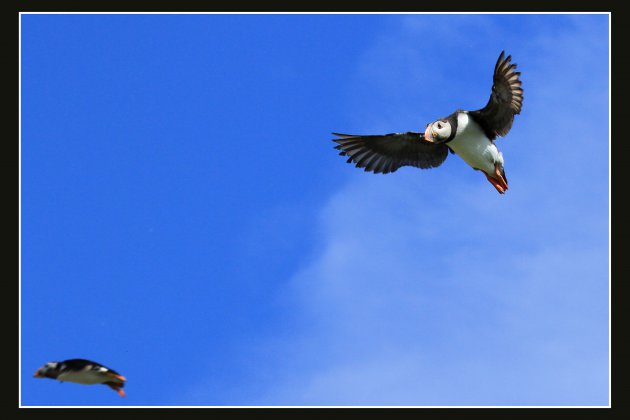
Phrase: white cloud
pixel 472 320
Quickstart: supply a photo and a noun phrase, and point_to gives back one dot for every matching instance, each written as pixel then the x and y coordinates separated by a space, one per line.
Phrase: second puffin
pixel 82 371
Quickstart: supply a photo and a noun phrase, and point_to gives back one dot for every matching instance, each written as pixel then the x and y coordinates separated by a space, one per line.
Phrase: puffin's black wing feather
pixel 386 153
pixel 80 364
pixel 505 100
pixel 77 364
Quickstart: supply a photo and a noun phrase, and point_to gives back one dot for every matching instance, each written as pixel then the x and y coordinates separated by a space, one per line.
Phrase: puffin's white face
pixel 438 131
pixel 50 366
pixel 47 371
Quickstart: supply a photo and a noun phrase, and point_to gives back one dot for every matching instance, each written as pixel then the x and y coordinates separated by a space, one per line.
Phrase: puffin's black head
pixel 442 130
pixel 49 370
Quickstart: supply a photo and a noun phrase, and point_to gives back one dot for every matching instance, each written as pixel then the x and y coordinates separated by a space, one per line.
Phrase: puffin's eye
pixel 440 125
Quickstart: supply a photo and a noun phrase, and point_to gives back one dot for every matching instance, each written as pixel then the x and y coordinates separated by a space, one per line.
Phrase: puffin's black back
pixel 78 364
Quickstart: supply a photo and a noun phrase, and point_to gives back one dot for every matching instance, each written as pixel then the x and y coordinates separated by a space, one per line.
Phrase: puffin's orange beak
pixel 37 374
pixel 427 134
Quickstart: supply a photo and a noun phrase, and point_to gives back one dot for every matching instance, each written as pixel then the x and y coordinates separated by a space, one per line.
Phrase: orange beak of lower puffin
pixel 37 374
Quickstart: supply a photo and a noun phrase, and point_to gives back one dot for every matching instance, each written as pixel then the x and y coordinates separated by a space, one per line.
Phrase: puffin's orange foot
pixel 119 377
pixel 499 176
pixel 496 184
pixel 117 389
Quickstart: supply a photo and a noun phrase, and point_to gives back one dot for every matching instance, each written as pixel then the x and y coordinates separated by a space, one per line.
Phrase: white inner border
pixel 318 13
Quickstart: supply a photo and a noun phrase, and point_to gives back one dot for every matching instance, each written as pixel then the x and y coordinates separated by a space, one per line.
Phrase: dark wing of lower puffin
pixel 383 154
pixel 505 100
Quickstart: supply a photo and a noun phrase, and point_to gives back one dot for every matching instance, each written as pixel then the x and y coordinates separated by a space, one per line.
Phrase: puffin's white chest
pixel 472 145
pixel 86 377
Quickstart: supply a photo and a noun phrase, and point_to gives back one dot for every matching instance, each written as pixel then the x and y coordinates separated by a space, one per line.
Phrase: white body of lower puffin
pixel 82 371
pixel 469 134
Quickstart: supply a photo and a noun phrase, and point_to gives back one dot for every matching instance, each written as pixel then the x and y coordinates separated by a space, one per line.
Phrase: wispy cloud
pixel 410 307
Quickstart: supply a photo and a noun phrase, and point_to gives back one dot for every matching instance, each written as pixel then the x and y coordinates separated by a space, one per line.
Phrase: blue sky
pixel 186 221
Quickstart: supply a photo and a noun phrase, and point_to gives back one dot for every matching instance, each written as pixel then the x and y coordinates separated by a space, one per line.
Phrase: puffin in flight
pixel 83 371
pixel 469 134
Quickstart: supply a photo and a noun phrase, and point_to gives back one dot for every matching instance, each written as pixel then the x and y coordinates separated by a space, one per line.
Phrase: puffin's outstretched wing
pixel 505 100
pixel 386 153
